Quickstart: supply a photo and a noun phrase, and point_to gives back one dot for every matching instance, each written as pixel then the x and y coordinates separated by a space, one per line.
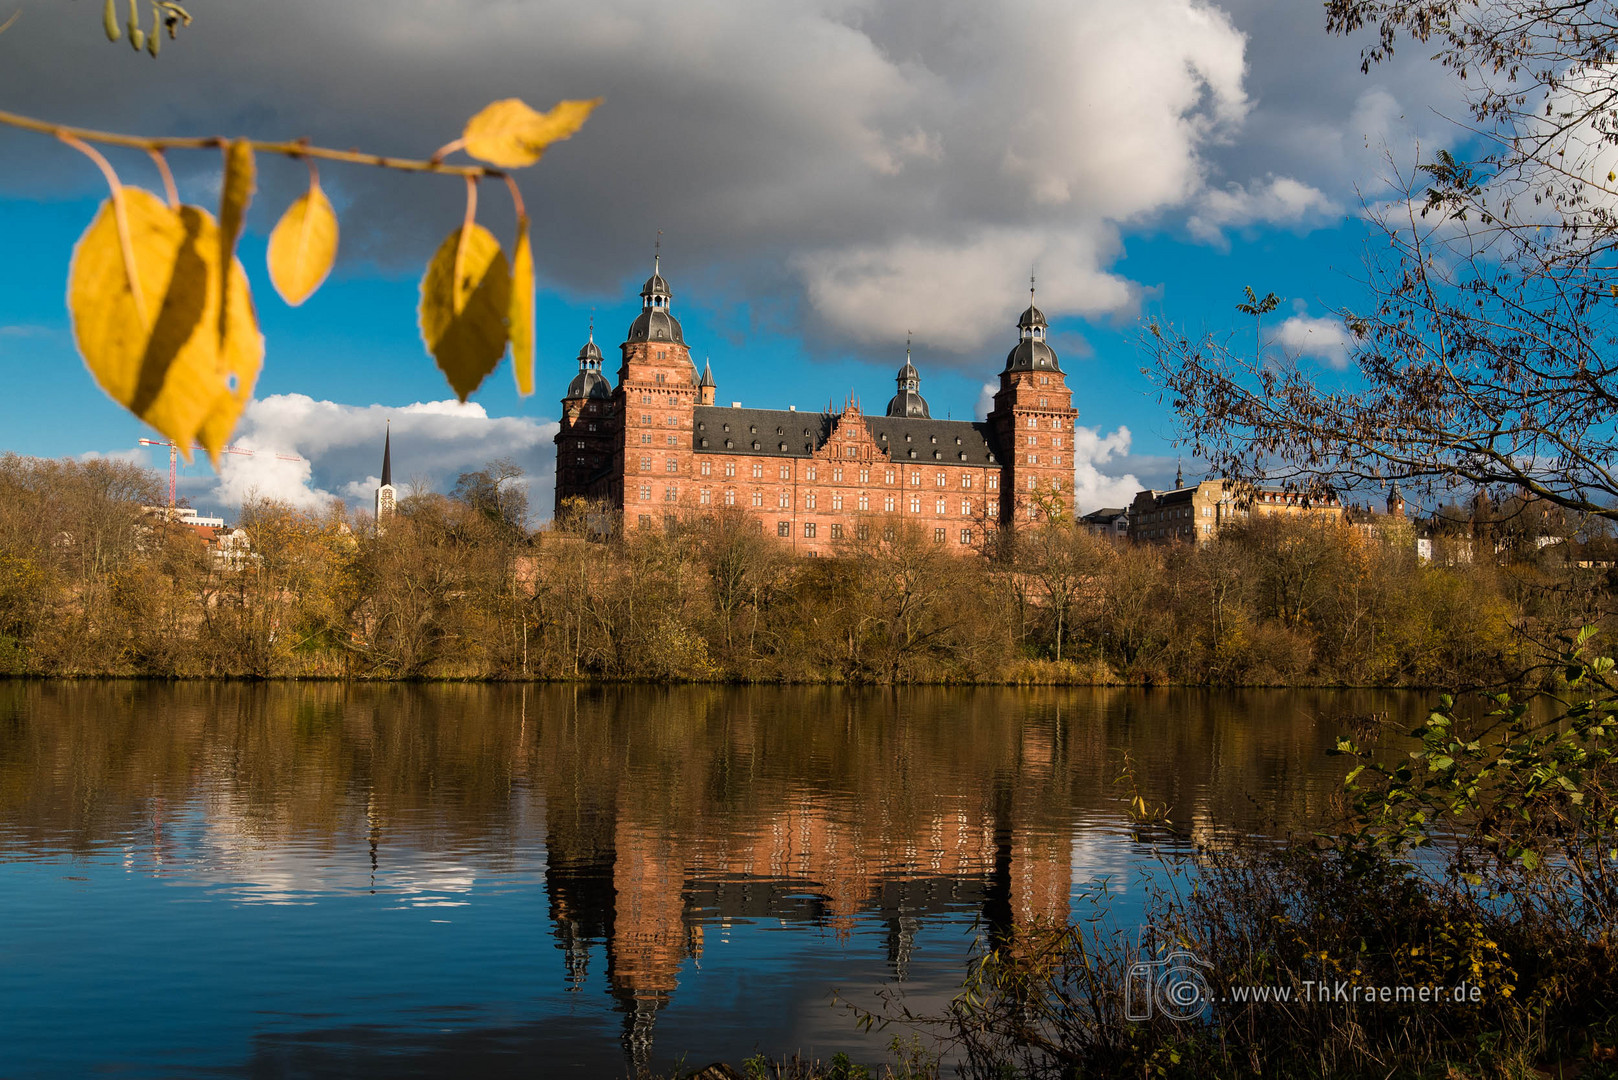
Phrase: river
pixel 225 879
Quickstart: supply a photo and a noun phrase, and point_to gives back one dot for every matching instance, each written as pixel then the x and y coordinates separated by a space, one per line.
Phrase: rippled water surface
pixel 229 880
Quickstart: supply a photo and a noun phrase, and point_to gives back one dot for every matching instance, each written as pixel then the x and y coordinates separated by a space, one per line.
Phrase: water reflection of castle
pixel 619 877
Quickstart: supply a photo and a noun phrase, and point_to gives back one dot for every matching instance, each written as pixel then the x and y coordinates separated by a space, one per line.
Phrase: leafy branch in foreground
pixel 1483 355
pixel 162 310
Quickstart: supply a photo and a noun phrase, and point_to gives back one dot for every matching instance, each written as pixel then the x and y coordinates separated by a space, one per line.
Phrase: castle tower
pixel 386 496
pixel 706 388
pixel 1396 501
pixel 658 387
pixel 908 401
pixel 585 435
pixel 1033 419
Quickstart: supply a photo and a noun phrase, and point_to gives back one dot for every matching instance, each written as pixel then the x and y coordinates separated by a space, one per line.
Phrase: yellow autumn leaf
pixel 510 134
pixel 235 193
pixel 521 319
pixel 465 300
pixel 303 246
pixel 241 356
pixel 160 358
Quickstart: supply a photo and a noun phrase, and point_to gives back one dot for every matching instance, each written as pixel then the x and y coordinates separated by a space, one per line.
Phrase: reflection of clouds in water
pixel 237 866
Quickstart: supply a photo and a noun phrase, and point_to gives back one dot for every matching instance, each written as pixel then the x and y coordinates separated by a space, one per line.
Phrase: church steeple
pixel 386 497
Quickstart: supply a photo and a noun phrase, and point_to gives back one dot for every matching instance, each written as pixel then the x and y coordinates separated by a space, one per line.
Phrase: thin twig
pixel 294 149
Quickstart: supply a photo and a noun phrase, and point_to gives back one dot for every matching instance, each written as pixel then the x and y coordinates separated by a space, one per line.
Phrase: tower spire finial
pixel 908 335
pixel 657 253
pixel 1179 476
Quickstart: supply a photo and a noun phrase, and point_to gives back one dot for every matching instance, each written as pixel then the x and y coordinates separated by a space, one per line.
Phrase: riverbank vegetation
pixel 457 587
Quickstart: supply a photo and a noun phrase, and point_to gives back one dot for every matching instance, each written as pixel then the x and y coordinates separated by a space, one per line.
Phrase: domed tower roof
pixel 908 401
pixel 1031 352
pixel 589 382
pixel 654 323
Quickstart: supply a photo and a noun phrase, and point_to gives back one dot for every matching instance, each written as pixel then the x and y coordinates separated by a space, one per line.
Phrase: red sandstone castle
pixel 656 445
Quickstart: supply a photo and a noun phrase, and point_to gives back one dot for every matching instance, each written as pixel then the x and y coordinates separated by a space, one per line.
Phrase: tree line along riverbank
pixel 93 583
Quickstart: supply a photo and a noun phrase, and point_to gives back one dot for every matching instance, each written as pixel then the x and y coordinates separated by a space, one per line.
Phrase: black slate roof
pixel 784 433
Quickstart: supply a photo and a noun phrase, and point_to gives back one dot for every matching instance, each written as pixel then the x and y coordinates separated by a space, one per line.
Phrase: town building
pixel 1111 522
pixel 656 445
pixel 1194 514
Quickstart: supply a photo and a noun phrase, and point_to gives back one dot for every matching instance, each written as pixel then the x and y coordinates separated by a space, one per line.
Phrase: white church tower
pixel 385 496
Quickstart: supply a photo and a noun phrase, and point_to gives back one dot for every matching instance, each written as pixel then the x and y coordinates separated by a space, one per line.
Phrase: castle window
pixel 809 500
pixel 645 521
pixel 1033 440
pixel 933 440
pixel 592 425
pixel 915 504
pixel 1056 441
pixel 1030 483
pixel 1044 380
pixel 836 531
pixel 966 481
pixel 645 464
pixel 783 501
pixel 646 438
pixel 758 472
pixel 782 448
pixel 578 461
pixel 660 374
pixel 780 431
pixel 755 444
pixel 994 483
pixel 810 475
pixel 669 439
pixel 849 450
pixel 966 507
pixel 646 493
pixel 939 506
pixel 837 500
pixel 887 533
pixel 706 497
pixel 862 532
pixel 727 427
pixel 671 465
pixel 887 503
pixel 940 479
pixel 915 479
pixel 730 498
pixel 646 417
pixel 938 536
pixel 966 536
pixel 907 436
pixel 752 429
pixel 758 498
pixel 730 468
pixel 1033 459
pixel 786 472
pixel 669 421
pixel 578 444
pixel 837 475
pixel 808 530
pixel 1056 485
pixel 865 476
pixel 865 501
pixel 1033 421
pixel 671 494
pixel 783 528
pixel 707 468
pixel 1043 403
pixel 889 477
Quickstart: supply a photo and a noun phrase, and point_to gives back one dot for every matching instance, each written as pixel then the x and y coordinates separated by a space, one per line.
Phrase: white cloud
pixel 1093 488
pixel 1283 201
pixel 1323 338
pixel 986 399
pixel 339 448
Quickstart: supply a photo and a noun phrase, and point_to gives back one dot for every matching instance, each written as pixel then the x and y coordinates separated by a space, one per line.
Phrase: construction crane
pixel 174 459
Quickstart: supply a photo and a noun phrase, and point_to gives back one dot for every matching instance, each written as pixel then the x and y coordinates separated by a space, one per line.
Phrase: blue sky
pixel 828 178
